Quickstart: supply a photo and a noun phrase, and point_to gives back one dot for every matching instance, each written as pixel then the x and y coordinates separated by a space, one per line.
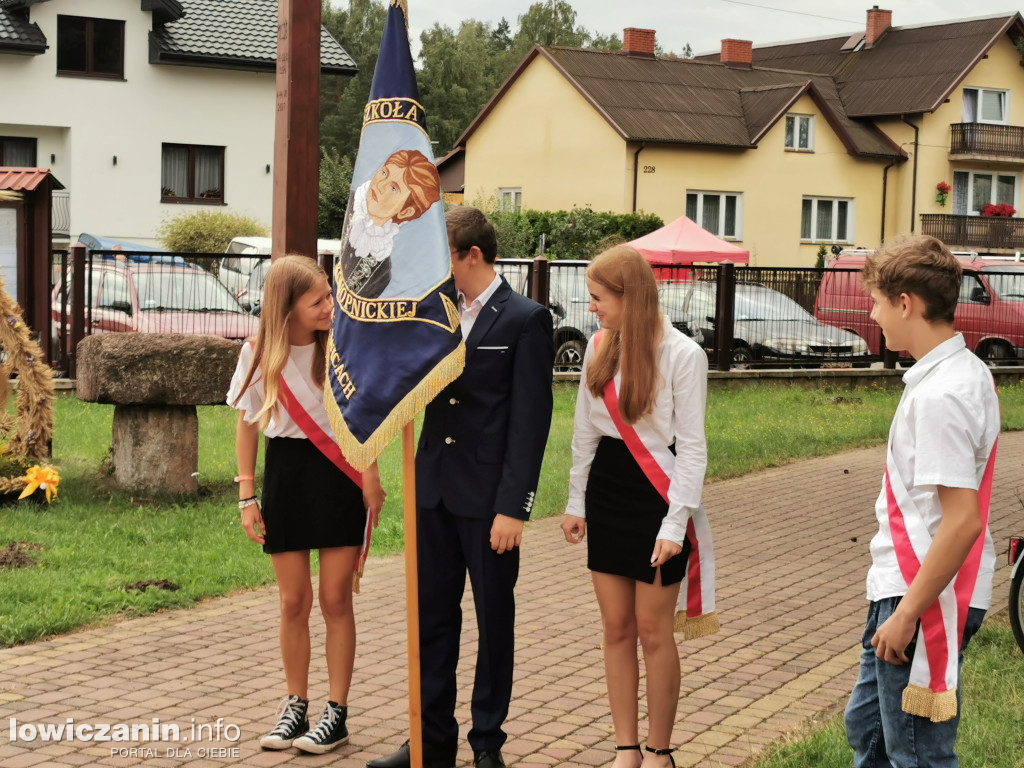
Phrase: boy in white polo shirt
pixel 930 581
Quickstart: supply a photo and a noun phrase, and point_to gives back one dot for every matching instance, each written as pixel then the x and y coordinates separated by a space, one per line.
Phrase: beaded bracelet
pixel 243 503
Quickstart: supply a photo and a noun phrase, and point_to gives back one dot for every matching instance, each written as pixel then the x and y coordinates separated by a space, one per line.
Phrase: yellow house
pixel 781 148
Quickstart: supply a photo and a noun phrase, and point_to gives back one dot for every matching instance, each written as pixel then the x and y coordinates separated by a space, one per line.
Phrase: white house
pixel 144 109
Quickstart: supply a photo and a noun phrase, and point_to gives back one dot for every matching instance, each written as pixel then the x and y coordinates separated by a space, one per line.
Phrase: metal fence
pixel 742 316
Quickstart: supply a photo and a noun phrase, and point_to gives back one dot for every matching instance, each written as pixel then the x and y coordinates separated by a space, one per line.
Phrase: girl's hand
pixel 252 523
pixel 373 493
pixel 574 528
pixel 664 550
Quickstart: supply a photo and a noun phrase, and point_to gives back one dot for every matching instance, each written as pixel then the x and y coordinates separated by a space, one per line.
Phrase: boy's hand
pixel 892 638
pixel 506 533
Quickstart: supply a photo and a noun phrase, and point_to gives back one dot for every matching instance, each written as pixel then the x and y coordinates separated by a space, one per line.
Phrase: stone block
pixel 155 368
pixel 156 448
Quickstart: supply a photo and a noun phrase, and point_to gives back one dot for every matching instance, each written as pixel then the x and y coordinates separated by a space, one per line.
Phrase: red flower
pixel 943 188
pixel 998 209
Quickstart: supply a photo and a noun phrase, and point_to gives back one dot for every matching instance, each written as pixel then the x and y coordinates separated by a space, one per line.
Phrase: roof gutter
pixel 885 188
pixel 636 168
pixel 913 188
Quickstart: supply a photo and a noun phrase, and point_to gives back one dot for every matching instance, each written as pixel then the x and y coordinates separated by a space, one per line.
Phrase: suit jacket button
pixel 453 401
pixel 448 441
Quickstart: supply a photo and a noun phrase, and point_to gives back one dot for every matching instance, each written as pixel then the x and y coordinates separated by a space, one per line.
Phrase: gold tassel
pixel 923 702
pixel 362 455
pixel 698 626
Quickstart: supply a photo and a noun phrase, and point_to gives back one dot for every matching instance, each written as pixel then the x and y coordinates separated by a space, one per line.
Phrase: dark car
pixel 768 326
pixel 158 298
pixel 569 302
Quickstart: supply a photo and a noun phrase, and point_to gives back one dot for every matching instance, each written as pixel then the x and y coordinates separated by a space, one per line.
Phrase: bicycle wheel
pixel 1017 602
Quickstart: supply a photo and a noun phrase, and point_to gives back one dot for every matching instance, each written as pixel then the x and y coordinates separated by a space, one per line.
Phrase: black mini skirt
pixel 308 503
pixel 624 514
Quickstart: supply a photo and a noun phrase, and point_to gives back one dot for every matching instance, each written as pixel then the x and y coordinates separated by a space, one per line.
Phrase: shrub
pixel 207 231
pixel 335 187
pixel 577 234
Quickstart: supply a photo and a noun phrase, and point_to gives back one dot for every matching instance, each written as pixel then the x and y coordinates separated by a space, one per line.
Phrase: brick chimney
pixel 638 42
pixel 878 21
pixel 737 53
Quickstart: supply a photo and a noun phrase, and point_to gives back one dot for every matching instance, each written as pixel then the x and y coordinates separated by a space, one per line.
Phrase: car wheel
pixel 741 357
pixel 997 353
pixel 569 356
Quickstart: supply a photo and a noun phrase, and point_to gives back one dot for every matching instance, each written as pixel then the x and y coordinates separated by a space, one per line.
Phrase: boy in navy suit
pixel 477 466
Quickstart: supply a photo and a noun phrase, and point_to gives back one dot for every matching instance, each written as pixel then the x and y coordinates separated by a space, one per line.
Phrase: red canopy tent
pixel 685 242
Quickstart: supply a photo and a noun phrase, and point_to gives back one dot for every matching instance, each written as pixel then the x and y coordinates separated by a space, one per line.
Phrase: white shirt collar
pixel 484 296
pixel 933 358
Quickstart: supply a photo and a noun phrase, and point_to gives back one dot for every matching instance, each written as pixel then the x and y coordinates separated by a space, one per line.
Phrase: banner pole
pixel 412 594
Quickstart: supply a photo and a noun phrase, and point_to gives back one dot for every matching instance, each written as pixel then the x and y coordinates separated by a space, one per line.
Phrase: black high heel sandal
pixel 663 752
pixel 631 747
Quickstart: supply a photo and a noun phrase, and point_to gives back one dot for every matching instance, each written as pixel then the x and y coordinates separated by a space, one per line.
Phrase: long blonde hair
pixel 288 279
pixel 633 348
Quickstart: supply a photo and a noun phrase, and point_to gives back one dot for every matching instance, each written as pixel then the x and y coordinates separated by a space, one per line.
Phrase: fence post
pixel 889 357
pixel 724 316
pixel 77 306
pixel 540 280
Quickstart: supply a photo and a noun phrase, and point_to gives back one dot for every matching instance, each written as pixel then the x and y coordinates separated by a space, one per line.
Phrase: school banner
pixel 395 338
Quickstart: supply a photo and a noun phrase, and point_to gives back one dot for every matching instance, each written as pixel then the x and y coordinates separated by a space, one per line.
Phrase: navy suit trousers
pixel 448 546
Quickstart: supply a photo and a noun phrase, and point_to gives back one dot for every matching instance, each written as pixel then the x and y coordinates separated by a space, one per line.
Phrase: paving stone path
pixel 792 551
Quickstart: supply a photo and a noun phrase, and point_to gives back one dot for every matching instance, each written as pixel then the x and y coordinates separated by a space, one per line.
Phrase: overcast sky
pixel 703 23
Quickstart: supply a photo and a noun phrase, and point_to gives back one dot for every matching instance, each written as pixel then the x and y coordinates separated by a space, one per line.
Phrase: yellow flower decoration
pixel 45 478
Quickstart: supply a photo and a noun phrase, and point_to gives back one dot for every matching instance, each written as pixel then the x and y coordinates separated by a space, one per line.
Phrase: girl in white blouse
pixel 643 379
pixel 308 500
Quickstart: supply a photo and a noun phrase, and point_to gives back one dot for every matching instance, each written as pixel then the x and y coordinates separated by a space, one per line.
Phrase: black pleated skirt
pixel 624 514
pixel 308 503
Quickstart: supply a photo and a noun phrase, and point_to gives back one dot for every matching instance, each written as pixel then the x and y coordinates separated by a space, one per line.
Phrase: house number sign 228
pixel 648 169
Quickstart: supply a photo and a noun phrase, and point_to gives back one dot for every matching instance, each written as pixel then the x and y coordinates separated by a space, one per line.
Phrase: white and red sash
pixel 300 402
pixel 695 614
pixel 933 671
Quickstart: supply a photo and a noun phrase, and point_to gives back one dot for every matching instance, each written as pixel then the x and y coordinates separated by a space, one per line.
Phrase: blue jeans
pixel 881 733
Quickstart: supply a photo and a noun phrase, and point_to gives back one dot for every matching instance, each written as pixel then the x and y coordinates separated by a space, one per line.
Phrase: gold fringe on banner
pixel 362 455
pixel 923 702
pixel 698 626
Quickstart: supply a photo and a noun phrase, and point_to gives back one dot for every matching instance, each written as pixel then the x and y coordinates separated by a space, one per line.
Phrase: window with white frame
pixel 800 132
pixel 986 105
pixel 720 213
pixel 510 198
pixel 973 190
pixel 827 219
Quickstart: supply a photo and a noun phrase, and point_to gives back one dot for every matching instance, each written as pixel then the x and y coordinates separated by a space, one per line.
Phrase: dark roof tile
pixel 239 33
pixel 18 34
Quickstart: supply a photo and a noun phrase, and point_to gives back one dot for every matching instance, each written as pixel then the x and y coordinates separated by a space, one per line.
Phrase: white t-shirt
pixel 253 399
pixel 676 418
pixel 943 433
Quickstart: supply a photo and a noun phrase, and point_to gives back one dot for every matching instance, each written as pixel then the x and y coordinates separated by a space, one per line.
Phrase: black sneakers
pixel 291 724
pixel 329 733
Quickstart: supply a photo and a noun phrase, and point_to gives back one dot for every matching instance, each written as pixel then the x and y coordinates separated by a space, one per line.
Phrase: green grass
pixel 991 733
pixel 97 539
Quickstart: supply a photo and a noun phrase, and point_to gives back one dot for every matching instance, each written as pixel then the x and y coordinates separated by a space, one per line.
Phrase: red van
pixel 990 312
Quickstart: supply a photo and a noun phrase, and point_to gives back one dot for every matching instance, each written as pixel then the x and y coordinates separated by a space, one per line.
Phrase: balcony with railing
pixel 977 233
pixel 60 212
pixel 984 141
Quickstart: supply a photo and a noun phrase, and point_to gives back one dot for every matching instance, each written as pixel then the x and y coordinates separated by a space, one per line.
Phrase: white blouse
pixel 252 401
pixel 677 417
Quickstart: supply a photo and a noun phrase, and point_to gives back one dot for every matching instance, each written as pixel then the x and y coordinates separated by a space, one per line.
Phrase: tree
pixel 342 99
pixel 552 22
pixel 335 187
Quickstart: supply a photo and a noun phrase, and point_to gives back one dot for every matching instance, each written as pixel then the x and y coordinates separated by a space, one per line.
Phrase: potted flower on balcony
pixel 999 209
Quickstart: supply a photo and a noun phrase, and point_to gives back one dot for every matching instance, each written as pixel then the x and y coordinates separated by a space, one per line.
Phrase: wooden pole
pixel 412 594
pixel 297 129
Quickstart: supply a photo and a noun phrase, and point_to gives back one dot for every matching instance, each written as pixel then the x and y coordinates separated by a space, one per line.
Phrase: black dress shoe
pixel 434 756
pixel 488 758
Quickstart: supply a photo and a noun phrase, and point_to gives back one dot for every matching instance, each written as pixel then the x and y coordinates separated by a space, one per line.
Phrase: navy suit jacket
pixel 483 437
